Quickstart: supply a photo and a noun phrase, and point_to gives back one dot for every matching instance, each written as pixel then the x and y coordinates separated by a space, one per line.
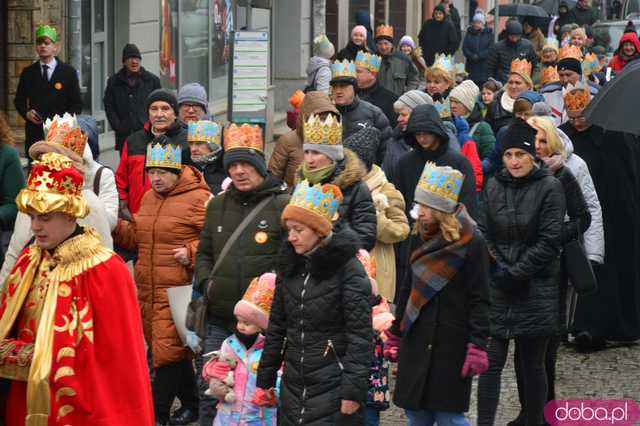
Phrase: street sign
pixel 250 76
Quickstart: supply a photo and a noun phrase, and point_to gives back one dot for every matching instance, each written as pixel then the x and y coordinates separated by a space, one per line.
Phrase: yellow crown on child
pixel 521 66
pixel 246 136
pixel 65 131
pixel 384 31
pixel 327 132
pixel 570 51
pixel 577 97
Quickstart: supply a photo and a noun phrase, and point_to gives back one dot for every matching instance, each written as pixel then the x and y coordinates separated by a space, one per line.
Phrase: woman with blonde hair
pixel 443 306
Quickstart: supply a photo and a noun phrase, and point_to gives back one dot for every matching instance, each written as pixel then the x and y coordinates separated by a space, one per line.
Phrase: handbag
pixel 196 320
pixel 579 269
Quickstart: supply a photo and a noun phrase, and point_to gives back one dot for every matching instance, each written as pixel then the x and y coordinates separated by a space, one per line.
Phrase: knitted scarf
pixel 434 264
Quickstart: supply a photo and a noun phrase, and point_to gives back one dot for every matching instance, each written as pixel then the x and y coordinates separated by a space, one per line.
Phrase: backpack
pixel 96 180
pixel 311 87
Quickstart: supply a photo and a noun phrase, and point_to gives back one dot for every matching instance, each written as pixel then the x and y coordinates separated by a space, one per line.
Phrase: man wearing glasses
pixel 46 88
pixel 192 103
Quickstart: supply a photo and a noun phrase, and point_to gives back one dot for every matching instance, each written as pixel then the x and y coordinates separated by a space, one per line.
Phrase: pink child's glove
pixel 391 346
pixel 216 370
pixel 476 362
pixel 264 398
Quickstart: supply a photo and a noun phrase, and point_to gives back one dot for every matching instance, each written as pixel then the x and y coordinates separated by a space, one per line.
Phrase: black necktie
pixel 45 73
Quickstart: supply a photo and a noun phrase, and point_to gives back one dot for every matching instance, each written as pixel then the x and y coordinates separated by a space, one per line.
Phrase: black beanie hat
pixel 571 64
pixel 165 96
pixel 364 143
pixel 130 51
pixel 247 155
pixel 519 135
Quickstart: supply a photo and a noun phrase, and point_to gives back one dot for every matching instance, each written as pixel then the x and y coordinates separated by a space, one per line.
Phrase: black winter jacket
pixel 126 106
pixel 59 95
pixel 433 352
pixel 350 51
pixel 396 148
pixel 247 258
pixel 577 210
pixel 320 327
pixel 497 116
pixel 504 52
pixel 476 48
pixel 383 99
pixel 437 37
pixel 360 114
pixel 521 220
pixel 356 210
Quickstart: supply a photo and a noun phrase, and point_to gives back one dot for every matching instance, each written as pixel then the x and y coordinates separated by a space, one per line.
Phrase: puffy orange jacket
pixel 164 223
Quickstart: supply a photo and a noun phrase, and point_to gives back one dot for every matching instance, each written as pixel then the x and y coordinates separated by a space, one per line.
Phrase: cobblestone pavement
pixel 610 374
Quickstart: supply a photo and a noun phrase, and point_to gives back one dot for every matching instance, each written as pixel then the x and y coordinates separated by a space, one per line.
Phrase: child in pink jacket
pixel 236 406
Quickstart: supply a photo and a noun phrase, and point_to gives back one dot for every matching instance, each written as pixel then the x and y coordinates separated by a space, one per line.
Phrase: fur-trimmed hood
pixel 348 172
pixel 324 260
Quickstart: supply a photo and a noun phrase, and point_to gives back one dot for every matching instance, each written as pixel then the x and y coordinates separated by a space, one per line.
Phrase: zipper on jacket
pixel 332 348
pixel 284 346
pixel 304 387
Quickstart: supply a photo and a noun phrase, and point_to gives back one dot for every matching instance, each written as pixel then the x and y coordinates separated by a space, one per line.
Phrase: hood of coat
pixel 425 118
pixel 539 172
pixel 325 260
pixel 190 179
pixel 348 172
pixel 315 63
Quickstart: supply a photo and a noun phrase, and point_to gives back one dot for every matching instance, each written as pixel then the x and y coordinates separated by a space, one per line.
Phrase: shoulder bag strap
pixel 243 225
pixel 96 181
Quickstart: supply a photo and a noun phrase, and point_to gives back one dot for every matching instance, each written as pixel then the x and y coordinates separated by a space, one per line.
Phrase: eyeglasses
pixel 190 106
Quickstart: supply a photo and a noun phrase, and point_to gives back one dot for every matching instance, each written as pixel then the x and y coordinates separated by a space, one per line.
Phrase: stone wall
pixel 22 18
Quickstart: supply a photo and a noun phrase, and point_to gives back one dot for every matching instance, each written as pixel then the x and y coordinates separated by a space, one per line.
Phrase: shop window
pixel 222 24
pixel 194 42
pixel 169 43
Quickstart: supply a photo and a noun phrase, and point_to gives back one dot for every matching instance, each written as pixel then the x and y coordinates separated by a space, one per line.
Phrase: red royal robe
pixel 76 308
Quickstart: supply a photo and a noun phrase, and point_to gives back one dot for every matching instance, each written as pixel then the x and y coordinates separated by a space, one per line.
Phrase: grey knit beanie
pixel 193 93
pixel 412 99
pixel 466 93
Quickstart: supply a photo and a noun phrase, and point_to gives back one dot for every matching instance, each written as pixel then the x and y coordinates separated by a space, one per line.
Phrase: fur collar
pixel 324 261
pixel 348 172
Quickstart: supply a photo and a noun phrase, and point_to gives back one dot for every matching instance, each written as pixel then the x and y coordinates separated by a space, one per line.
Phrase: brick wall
pixel 22 18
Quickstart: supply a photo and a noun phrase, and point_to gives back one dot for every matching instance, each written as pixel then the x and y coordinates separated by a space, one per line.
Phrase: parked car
pixel 608 33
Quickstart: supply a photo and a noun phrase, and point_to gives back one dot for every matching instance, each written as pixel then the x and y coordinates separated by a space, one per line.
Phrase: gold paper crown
pixel 521 66
pixel 65 131
pixel 570 51
pixel 384 31
pixel 590 64
pixel 445 181
pixel 576 97
pixel 54 185
pixel 343 69
pixel 323 200
pixel 549 75
pixel 246 136
pixel 328 132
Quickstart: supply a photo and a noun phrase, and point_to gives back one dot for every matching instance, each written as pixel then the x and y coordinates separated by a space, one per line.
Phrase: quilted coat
pixel 320 326
pixel 522 219
pixel 164 223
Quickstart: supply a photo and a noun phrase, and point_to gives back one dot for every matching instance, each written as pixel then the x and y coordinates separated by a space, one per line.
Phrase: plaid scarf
pixel 434 264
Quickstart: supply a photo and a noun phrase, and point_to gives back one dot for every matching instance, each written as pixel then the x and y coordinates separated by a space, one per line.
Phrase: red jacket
pixel 617 63
pixel 131 178
pixel 470 150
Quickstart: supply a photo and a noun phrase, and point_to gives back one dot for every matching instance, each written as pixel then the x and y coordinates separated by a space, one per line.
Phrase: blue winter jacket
pixel 476 48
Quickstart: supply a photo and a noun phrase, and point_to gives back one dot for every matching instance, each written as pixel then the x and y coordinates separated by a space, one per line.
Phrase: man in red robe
pixel 71 344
